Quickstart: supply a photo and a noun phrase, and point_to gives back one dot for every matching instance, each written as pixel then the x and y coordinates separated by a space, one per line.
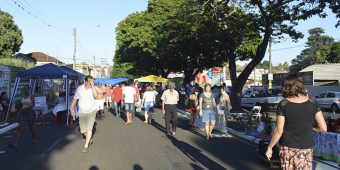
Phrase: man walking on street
pixel 116 99
pixel 86 95
pixel 170 99
pixel 129 99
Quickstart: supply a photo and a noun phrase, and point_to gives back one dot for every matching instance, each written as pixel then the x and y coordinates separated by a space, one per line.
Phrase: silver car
pixel 329 100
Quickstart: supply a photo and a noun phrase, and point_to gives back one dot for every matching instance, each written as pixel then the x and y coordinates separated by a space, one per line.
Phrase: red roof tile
pixel 42 57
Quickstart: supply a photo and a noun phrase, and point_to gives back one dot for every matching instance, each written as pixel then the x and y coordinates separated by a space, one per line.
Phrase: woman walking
pixel 192 106
pixel 27 117
pixel 208 110
pixel 148 101
pixel 294 126
pixel 225 103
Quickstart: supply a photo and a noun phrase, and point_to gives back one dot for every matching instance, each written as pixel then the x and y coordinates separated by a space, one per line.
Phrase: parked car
pixel 329 100
pixel 251 98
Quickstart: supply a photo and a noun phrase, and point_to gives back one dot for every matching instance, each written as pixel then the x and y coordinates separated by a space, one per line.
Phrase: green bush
pixel 16 62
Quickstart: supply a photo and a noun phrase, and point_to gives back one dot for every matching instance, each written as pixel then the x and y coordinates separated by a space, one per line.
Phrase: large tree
pixel 10 35
pixel 318 47
pixel 334 53
pixel 181 35
pixel 191 35
pixel 274 19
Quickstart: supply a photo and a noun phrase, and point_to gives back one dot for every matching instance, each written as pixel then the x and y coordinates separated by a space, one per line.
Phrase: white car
pixel 329 100
pixel 251 98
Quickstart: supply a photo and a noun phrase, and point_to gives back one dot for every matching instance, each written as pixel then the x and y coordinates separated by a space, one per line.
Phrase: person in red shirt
pixel 117 98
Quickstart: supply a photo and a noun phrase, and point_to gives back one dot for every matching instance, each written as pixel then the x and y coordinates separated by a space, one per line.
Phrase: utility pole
pixel 75 47
pixel 270 75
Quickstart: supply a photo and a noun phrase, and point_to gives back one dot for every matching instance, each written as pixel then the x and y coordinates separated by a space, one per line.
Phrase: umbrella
pixel 152 79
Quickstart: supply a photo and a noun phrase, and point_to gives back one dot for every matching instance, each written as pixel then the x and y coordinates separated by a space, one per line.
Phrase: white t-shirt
pixel 149 96
pixel 129 94
pixel 87 102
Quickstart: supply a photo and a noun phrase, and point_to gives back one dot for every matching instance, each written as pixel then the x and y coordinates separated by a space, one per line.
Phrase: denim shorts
pixel 130 107
pixel 148 106
pixel 208 115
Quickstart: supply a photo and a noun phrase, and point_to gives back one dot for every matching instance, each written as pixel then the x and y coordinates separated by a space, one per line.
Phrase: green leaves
pixel 317 51
pixel 10 35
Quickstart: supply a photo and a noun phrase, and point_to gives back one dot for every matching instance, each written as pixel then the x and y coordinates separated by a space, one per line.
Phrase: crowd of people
pixel 297 115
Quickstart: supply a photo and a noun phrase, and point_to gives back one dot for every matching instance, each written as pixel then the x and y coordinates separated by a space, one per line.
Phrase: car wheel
pixel 334 108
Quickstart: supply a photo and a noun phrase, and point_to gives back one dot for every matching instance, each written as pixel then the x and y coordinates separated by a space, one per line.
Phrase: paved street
pixel 136 146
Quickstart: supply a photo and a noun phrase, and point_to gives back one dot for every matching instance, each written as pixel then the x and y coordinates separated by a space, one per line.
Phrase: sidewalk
pixel 317 163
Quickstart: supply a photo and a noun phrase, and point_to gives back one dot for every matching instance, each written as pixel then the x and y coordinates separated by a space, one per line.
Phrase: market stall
pixel 47 71
pixel 110 81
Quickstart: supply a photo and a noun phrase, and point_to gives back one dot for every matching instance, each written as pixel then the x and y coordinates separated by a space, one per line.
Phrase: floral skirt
pixel 296 159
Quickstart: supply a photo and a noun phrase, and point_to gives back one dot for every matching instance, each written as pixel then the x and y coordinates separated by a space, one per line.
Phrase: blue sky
pixel 48 28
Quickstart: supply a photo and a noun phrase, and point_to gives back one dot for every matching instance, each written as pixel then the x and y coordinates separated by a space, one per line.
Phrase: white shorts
pixel 108 99
pixel 100 104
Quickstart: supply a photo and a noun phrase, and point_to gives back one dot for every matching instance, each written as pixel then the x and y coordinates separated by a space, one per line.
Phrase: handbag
pixel 220 110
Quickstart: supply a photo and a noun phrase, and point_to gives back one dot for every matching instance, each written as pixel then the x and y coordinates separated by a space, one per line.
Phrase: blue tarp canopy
pixel 79 75
pixel 110 81
pixel 48 71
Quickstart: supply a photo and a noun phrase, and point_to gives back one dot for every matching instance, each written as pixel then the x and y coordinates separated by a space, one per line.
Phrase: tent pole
pixel 16 84
pixel 67 99
pixel 33 87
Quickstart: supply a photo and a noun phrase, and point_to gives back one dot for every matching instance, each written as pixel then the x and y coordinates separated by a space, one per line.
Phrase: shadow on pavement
pixel 195 154
pixel 137 167
pixel 94 167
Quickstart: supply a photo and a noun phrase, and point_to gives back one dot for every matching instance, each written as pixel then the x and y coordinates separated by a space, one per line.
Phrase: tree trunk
pixel 239 82
pixel 189 75
pixel 237 86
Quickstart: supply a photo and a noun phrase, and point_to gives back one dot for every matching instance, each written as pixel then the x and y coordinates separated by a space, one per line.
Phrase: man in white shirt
pixel 86 95
pixel 129 99
pixel 170 99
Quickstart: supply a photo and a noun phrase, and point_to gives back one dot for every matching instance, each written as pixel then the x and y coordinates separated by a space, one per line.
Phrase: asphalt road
pixel 136 146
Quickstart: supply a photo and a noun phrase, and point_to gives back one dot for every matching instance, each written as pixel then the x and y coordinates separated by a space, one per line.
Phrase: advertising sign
pixel 5 80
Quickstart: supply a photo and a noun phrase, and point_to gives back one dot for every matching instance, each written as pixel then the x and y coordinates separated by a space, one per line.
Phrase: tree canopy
pixel 317 52
pixel 191 35
pixel 11 36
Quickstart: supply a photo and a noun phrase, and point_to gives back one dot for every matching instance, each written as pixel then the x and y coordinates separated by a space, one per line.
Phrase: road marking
pixel 54 144
pixel 8 136
pixel 2 152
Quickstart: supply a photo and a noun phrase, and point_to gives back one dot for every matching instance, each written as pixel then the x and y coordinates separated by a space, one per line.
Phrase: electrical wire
pixel 37 17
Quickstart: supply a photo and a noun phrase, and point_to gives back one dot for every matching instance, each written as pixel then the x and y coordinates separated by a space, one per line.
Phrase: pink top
pixel 108 91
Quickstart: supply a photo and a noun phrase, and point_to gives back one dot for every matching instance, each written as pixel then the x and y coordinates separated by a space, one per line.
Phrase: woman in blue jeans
pixel 208 110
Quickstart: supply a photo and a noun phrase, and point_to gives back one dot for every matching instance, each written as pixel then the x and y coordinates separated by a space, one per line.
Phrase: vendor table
pixel 327 146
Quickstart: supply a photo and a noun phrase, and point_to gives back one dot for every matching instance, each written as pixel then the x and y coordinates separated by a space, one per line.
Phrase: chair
pixel 256 111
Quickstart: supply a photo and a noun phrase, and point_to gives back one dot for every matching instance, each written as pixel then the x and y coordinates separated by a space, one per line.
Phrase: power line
pixel 286 48
pixel 15 8
pixel 33 14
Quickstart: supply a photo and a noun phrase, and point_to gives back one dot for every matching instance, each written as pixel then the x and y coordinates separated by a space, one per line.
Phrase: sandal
pixel 13 146
pixel 91 142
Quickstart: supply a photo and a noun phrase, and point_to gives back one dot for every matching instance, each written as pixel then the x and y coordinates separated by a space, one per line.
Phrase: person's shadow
pixel 195 154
